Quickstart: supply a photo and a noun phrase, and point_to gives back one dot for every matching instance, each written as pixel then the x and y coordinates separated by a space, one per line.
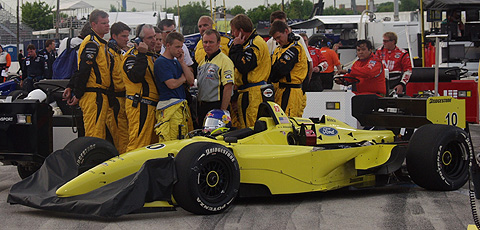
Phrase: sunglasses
pixel 169 31
pixel 387 41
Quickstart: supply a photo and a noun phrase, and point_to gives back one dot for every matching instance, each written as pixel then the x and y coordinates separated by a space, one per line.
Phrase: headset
pixel 326 42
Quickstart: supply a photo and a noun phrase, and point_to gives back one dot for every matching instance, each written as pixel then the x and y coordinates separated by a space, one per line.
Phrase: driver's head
pixel 364 49
pixel 217 121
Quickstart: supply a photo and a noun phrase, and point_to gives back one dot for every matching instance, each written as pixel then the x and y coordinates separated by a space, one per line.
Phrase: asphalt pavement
pixel 402 207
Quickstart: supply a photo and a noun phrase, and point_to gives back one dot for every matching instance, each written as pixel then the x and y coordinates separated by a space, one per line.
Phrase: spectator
pixel 21 61
pixel 251 59
pixel 397 61
pixel 289 68
pixel 142 94
pixel 368 69
pixel 215 76
pixel 49 54
pixel 5 62
pixel 34 70
pixel 171 73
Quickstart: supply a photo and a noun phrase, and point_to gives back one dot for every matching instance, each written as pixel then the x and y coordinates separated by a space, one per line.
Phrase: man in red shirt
pixel 368 69
pixel 397 62
pixel 319 64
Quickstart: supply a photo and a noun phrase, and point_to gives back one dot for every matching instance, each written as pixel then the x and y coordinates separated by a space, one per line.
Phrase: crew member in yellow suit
pixel 205 23
pixel 289 68
pixel 142 95
pixel 93 80
pixel 116 116
pixel 251 59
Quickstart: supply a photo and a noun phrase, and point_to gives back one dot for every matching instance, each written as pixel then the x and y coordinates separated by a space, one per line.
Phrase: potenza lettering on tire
pixel 81 158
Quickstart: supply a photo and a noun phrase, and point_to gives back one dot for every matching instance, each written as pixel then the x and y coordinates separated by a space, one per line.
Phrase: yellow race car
pixel 279 155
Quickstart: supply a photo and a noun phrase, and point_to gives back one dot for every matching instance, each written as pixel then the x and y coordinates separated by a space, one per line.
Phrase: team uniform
pixel 92 84
pixel 116 116
pixel 290 68
pixel 173 112
pixel 225 43
pixel 33 71
pixel 5 62
pixel 49 58
pixel 252 69
pixel 315 84
pixel 398 64
pixel 371 74
pixel 141 98
pixel 213 74
pixel 327 75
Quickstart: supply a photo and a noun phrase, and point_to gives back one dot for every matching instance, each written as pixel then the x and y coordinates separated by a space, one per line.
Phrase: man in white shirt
pixel 167 26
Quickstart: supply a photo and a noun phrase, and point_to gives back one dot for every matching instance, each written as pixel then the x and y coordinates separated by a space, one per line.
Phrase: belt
pixel 112 101
pixel 120 94
pixel 286 85
pixel 143 100
pixel 246 86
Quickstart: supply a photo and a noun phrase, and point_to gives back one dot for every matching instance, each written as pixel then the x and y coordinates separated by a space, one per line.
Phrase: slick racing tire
pixel 90 151
pixel 438 157
pixel 208 178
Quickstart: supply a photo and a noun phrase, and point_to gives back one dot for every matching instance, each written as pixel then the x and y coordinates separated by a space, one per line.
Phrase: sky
pixel 148 5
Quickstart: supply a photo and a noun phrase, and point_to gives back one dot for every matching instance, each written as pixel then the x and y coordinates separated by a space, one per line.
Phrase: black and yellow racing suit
pixel 142 98
pixel 290 68
pixel 92 84
pixel 116 115
pixel 252 68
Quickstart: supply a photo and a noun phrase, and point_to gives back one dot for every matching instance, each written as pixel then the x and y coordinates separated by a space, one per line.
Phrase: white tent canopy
pixel 74 5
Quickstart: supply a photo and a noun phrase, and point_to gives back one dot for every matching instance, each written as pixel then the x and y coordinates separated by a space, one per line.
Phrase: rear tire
pixel 18 94
pixel 91 151
pixel 208 178
pixel 438 157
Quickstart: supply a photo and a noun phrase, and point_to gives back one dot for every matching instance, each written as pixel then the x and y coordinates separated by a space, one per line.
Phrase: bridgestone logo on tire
pixel 84 152
pixel 222 151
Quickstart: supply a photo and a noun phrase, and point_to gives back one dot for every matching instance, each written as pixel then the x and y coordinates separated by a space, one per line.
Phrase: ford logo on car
pixel 329 131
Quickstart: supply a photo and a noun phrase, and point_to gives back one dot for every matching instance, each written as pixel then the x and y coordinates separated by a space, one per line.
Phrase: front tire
pixel 438 157
pixel 208 178
pixel 91 151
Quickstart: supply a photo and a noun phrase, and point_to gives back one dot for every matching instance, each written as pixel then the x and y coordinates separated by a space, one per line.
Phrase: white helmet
pixel 37 94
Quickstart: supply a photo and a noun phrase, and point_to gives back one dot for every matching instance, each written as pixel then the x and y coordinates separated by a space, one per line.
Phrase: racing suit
pixel 252 69
pixel 225 43
pixel 398 64
pixel 5 62
pixel 290 68
pixel 315 84
pixel 92 83
pixel 116 116
pixel 33 71
pixel 50 58
pixel 142 98
pixel 371 74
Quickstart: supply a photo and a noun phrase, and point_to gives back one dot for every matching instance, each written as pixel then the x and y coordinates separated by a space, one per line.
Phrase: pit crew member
pixel 251 59
pixel 205 23
pixel 319 63
pixel 332 60
pixel 368 69
pixel 289 68
pixel 215 76
pixel 49 54
pixel 34 70
pixel 397 61
pixel 142 94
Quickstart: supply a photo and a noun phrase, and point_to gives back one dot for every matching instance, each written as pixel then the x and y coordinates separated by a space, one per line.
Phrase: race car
pixel 279 155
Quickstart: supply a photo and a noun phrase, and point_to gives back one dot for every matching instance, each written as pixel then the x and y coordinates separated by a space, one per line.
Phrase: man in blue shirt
pixel 171 74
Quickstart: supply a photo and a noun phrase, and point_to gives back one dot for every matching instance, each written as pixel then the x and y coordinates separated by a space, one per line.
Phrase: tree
pixel 236 10
pixel 408 5
pixel 334 11
pixel 262 13
pixel 385 7
pixel 38 15
pixel 299 9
